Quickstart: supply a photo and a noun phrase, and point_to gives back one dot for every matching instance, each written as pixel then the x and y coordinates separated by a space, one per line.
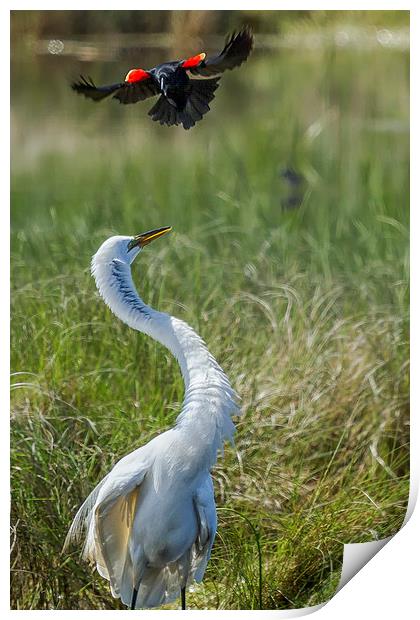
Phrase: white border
pixel 387 586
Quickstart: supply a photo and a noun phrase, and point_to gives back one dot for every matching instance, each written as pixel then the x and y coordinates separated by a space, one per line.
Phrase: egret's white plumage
pixel 150 523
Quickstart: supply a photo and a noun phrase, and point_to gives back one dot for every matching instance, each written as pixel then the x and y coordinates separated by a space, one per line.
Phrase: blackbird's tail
pixel 200 93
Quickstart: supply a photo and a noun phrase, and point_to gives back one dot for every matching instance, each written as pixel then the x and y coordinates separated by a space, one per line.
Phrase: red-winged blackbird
pixel 182 100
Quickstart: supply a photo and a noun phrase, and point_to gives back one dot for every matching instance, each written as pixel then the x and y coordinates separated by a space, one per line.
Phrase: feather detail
pixel 200 93
pixel 209 400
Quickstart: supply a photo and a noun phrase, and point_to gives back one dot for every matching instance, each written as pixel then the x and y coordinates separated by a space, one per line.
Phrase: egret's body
pixel 150 523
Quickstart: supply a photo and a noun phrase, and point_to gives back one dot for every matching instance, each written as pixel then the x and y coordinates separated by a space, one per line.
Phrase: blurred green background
pixel 290 208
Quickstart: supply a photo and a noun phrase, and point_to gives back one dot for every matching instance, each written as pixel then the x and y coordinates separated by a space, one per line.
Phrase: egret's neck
pixel 209 400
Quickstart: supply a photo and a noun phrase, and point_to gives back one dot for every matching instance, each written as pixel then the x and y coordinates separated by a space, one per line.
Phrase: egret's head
pixel 125 248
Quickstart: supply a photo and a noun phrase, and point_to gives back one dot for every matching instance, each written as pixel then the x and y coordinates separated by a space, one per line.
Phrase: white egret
pixel 150 523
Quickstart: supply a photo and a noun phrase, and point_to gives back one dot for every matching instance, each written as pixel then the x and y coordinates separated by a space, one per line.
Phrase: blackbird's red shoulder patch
pixel 193 61
pixel 136 75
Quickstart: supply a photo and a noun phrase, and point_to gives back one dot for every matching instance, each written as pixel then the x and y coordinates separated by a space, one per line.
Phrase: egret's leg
pixel 183 598
pixel 140 562
pixel 134 599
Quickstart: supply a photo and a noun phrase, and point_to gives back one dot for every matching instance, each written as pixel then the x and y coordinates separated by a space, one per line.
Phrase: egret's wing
pixel 82 519
pixel 205 507
pixel 113 519
pixel 107 516
pixel 236 51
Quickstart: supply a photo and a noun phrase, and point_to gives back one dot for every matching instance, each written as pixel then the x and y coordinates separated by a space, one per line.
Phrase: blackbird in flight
pixel 183 99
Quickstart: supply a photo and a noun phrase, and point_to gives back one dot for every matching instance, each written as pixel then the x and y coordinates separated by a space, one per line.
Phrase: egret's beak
pixel 147 237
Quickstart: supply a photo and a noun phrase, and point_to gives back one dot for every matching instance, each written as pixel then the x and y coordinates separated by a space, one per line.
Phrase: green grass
pixel 306 309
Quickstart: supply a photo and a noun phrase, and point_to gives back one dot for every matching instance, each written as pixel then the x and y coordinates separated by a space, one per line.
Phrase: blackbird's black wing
pixel 137 91
pixel 125 92
pixel 86 87
pixel 236 51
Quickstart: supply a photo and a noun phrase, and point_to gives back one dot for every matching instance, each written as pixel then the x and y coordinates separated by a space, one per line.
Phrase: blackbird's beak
pixel 147 237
